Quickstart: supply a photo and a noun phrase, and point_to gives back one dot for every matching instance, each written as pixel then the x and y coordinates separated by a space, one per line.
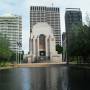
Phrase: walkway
pixel 53 61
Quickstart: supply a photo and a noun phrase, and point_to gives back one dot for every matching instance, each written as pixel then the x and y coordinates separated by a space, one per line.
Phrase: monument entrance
pixel 42 49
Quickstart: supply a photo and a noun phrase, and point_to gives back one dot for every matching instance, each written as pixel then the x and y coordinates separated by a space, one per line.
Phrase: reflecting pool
pixel 54 77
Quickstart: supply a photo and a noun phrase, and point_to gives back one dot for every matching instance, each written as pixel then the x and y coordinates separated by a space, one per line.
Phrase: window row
pixel 35 8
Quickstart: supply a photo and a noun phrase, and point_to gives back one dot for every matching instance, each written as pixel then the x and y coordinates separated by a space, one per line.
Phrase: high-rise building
pixel 11 27
pixel 64 46
pixel 51 15
pixel 73 17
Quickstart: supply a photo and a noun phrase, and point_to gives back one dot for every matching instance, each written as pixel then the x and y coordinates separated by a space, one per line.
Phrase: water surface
pixel 55 77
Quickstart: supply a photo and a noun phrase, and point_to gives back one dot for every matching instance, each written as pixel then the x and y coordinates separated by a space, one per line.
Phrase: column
pixel 46 46
pixel 50 47
pixel 38 46
pixel 34 46
pixel 30 45
pixel 48 43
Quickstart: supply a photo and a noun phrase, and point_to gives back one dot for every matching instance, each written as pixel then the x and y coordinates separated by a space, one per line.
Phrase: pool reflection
pixel 58 77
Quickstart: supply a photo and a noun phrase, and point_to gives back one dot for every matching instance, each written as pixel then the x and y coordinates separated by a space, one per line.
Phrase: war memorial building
pixel 42 43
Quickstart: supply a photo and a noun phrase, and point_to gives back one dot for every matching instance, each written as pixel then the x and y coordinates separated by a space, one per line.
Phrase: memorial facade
pixel 42 43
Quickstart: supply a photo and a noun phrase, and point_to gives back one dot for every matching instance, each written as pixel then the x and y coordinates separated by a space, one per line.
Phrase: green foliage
pixel 59 49
pixel 5 64
pixel 5 52
pixel 6 55
pixel 79 45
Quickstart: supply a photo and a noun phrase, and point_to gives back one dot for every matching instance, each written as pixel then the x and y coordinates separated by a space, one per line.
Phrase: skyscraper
pixel 64 46
pixel 51 15
pixel 73 16
pixel 11 27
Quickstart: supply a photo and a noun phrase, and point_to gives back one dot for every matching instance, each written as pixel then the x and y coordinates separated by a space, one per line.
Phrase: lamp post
pixel 19 54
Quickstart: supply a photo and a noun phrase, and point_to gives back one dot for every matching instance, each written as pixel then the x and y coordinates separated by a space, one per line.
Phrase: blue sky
pixel 21 7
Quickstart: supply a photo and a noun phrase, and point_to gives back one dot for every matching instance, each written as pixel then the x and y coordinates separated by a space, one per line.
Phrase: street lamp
pixel 19 56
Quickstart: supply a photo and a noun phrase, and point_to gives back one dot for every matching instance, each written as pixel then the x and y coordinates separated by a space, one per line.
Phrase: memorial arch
pixel 42 46
pixel 42 43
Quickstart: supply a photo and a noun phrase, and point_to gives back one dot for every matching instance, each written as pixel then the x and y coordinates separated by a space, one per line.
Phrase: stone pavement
pixel 53 61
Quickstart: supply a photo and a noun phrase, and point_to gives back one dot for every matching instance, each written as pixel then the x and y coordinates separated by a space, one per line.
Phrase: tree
pixel 5 52
pixel 59 49
pixel 79 45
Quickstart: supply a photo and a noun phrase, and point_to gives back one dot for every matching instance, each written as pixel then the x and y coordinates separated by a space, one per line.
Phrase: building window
pixel 31 8
pixel 35 8
pixel 39 8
